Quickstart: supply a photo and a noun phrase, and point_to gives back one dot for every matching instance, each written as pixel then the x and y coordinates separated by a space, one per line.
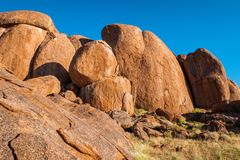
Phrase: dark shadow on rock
pixel 54 69
pixel 84 40
pixel 47 39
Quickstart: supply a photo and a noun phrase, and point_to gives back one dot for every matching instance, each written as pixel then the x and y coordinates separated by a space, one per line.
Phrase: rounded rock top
pixel 93 62
pixel 34 18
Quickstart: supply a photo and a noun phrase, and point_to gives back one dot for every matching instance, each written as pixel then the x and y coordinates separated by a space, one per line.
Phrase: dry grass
pixel 178 149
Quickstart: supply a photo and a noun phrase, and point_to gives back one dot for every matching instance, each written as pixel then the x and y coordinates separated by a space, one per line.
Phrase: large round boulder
pixel 207 78
pixel 27 17
pixel 108 94
pixel 54 57
pixel 18 46
pixel 93 62
pixel 154 70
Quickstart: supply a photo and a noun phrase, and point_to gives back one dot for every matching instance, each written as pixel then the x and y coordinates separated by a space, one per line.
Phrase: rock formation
pixel 32 18
pixel 71 97
pixel 108 95
pixel 34 127
pixel 234 91
pixel 207 78
pixel 78 41
pixel 54 57
pixel 154 70
pixel 93 62
pixel 45 85
pixel 18 46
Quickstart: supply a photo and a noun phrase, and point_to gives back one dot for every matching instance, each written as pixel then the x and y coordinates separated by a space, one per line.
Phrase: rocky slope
pixel 69 97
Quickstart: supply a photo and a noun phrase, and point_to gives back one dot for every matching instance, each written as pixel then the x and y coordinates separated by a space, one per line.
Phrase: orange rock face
pixel 54 57
pixel 18 46
pixel 35 127
pixel 27 17
pixel 234 91
pixel 107 95
pixel 154 70
pixel 94 62
pixel 45 85
pixel 207 78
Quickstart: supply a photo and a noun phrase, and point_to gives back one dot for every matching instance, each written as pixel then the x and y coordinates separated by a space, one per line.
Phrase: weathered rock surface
pixel 107 95
pixel 34 127
pixel 129 103
pixel 2 31
pixel 181 58
pixel 54 57
pixel 78 41
pixel 122 118
pixel 207 78
pixel 45 85
pixel 69 95
pixel 154 70
pixel 18 46
pixel 27 17
pixel 94 62
pixel 234 91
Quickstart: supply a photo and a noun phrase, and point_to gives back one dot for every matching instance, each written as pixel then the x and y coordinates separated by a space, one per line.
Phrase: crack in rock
pixel 12 149
pixel 82 149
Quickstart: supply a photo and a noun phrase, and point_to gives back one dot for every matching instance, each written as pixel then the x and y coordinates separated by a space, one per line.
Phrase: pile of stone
pixel 126 70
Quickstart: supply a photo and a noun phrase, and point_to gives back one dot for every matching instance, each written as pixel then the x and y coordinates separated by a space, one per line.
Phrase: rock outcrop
pixel 18 46
pixel 207 78
pixel 234 91
pixel 27 17
pixel 93 62
pixel 108 94
pixel 154 70
pixel 54 57
pixel 34 127
pixel 71 97
pixel 45 85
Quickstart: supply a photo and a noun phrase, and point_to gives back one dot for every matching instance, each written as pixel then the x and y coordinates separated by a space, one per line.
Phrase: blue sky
pixel 184 25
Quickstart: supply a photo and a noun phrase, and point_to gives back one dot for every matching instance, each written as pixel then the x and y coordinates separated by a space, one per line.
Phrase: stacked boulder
pixel 53 57
pixel 94 69
pixel 35 127
pixel 207 79
pixel 152 68
pixel 18 45
pixel 61 73
pixel 30 46
pixel 127 66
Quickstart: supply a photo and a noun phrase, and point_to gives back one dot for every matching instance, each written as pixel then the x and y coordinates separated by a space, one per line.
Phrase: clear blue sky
pixel 184 25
